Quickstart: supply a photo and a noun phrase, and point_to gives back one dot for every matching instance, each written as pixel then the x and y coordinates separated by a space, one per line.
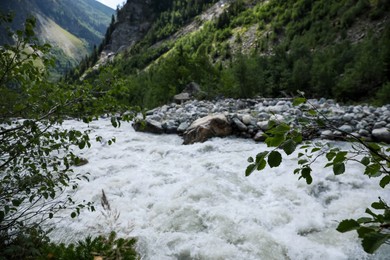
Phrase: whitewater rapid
pixel 194 201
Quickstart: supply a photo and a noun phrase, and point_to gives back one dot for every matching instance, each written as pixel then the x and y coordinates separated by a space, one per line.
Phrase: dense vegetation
pixel 37 155
pixel 332 49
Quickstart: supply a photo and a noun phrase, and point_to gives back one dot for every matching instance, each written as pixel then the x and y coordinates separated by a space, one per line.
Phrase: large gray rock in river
pixel 206 127
pixel 149 126
pixel 381 134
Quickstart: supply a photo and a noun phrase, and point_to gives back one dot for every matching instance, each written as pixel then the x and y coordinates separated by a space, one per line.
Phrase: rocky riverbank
pixel 198 120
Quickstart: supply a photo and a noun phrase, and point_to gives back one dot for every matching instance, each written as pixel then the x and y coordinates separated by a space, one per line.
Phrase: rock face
pixel 189 92
pixel 133 22
pixel 204 128
pixel 249 118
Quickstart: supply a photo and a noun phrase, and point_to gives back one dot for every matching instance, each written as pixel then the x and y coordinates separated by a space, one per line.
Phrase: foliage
pixel 109 247
pixel 373 230
pixel 37 155
pixel 309 45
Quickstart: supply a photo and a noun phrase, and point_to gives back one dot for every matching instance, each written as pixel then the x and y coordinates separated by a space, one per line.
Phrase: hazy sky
pixel 112 3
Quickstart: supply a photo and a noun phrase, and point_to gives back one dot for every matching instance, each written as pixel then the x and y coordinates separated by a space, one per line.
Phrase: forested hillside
pixel 242 48
pixel 72 27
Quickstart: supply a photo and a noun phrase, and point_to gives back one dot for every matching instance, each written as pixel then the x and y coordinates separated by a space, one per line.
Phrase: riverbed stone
pixel 240 125
pixel 248 116
pixel 381 134
pixel 149 125
pixel 207 127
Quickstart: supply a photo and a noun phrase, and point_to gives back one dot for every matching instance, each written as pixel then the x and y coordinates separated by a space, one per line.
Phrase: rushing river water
pixel 194 202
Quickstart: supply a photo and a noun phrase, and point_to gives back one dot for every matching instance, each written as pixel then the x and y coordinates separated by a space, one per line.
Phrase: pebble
pixel 250 116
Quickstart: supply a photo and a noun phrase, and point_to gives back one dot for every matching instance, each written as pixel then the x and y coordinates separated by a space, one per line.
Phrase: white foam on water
pixel 194 201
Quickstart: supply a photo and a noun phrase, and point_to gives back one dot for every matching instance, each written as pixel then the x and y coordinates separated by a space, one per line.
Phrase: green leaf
pixel 16 202
pixel 261 156
pixel 362 231
pixel 373 240
pixel 364 220
pixel 82 145
pixel 250 160
pixel 306 175
pixel 114 122
pixel 373 170
pixel 340 157
pixel 302 161
pixel 275 141
pixel 261 164
pixel 312 112
pixel 289 146
pixel 73 215
pixel 274 159
pixel 347 225
pixel 298 101
pixel 384 181
pixel 250 169
pixel 338 168
pixel 51 215
pixel 365 161
pixel 330 155
pixel 378 205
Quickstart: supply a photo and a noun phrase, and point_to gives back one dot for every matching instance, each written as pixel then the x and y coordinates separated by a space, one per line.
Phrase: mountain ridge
pixel 73 28
pixel 331 49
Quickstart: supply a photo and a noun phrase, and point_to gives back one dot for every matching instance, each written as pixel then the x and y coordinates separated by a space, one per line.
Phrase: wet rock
pixel 182 127
pixel 239 125
pixel 204 128
pixel 346 128
pixel 259 136
pixel 149 125
pixel 381 134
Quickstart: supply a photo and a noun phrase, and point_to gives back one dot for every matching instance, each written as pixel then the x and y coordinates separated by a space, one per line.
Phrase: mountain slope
pixel 72 27
pixel 245 48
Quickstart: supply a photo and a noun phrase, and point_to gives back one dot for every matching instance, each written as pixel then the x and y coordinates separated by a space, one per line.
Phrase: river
pixel 194 201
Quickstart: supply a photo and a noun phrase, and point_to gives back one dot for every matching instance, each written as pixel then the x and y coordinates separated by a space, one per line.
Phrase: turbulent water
pixel 194 202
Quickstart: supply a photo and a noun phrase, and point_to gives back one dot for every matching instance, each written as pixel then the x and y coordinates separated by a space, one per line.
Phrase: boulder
pixel 149 126
pixel 190 91
pixel 182 97
pixel 381 134
pixel 207 127
pixel 239 125
pixel 259 136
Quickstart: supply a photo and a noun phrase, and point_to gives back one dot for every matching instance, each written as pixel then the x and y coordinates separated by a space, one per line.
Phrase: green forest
pixel 331 49
pixel 311 46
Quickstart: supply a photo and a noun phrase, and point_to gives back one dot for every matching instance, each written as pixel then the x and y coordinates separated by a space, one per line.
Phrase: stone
pixel 149 126
pixel 181 98
pixel 182 127
pixel 240 125
pixel 170 127
pixel 247 119
pixel 327 134
pixel 346 128
pixel 348 117
pixel 192 89
pixel 204 128
pixel 380 124
pixel 364 132
pixel 263 125
pixel 381 134
pixel 259 136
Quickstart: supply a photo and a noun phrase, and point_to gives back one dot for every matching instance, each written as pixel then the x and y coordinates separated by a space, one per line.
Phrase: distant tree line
pixel 306 47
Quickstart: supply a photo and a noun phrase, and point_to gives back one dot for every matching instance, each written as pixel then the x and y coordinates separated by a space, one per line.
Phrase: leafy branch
pixel 374 230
